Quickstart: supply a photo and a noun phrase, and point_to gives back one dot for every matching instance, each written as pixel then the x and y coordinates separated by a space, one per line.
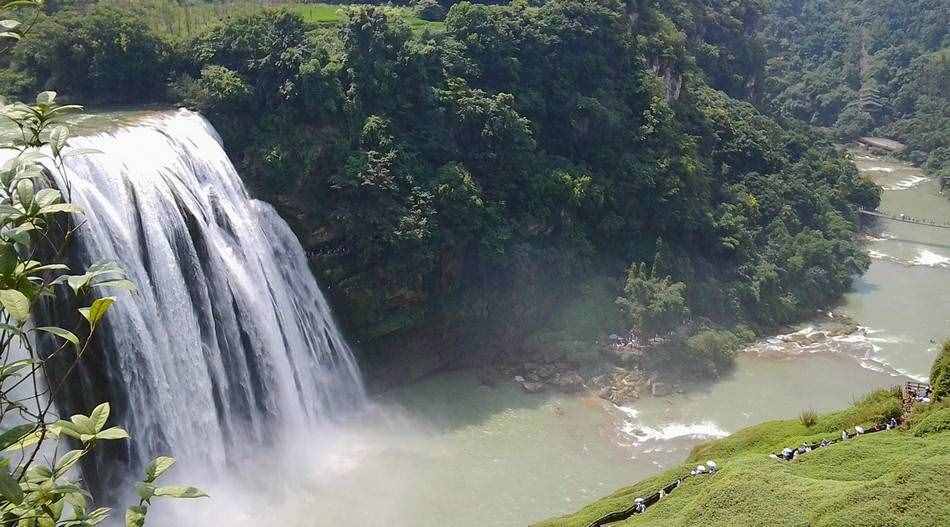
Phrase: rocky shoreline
pixel 626 369
pixel 619 375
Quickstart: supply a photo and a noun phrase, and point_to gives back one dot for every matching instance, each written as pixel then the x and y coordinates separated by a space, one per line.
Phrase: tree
pixel 37 484
pixel 940 373
pixel 655 305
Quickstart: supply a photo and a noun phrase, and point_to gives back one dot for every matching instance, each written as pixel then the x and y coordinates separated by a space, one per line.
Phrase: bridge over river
pixel 906 219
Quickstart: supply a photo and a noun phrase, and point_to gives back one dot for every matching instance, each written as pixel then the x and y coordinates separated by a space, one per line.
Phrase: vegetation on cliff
pixel 864 67
pixel 463 184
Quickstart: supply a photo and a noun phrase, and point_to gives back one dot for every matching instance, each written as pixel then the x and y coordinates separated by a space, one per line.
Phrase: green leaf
pixel 68 460
pixel 67 428
pixel 47 196
pixel 30 439
pixel 11 369
pixel 9 488
pixel 97 310
pixel 97 516
pixel 83 424
pixel 61 207
pixel 8 258
pixel 16 303
pixel 61 333
pixel 135 516
pixel 46 98
pixel 57 138
pixel 112 433
pixel 145 491
pixel 180 491
pixel 24 191
pixel 121 283
pixel 157 467
pixel 14 434
pixel 99 416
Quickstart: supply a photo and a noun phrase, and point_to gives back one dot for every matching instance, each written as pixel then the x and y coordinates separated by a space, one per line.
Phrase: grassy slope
pixel 171 18
pixel 894 478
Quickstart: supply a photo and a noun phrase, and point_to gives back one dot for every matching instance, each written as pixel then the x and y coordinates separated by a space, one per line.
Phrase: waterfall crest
pixel 228 339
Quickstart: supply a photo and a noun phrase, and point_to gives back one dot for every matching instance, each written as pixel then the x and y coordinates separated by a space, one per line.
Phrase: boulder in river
pixel 532 387
pixel 661 389
pixel 569 382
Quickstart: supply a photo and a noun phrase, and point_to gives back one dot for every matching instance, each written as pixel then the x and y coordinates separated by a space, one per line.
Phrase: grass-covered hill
pixel 893 478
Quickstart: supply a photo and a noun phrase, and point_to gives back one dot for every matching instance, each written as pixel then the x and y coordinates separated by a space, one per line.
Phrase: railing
pixel 906 219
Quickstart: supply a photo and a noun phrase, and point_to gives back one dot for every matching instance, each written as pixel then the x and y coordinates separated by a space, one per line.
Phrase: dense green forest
pixel 864 67
pixel 470 181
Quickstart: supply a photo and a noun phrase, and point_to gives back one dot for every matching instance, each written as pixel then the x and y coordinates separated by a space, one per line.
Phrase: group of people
pixel 789 454
pixel 906 217
pixel 640 504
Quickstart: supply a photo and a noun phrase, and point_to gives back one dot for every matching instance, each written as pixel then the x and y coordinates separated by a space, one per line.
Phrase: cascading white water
pixel 228 339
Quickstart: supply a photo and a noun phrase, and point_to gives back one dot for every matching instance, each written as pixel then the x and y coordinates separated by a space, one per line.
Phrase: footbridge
pixel 904 218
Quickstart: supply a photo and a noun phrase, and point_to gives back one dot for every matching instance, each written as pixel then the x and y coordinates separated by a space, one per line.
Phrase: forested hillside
pixel 864 67
pixel 468 181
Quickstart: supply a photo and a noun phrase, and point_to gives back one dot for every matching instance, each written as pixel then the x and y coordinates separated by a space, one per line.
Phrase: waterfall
pixel 228 340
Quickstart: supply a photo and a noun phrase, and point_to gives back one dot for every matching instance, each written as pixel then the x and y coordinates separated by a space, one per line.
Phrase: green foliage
pixel 655 305
pixel 940 373
pixel 470 179
pixel 934 422
pixel 526 145
pixel 864 67
pixel 34 490
pixel 429 10
pixel 714 347
pixel 808 418
pixel 37 484
pixel 105 55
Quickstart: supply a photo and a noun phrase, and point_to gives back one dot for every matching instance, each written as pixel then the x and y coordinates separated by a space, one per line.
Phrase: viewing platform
pixel 881 143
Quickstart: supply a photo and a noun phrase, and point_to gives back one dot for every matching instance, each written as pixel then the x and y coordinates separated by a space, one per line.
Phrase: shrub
pixel 429 10
pixel 808 418
pixel 853 122
pixel 653 304
pixel 940 373
pixel 107 55
pixel 933 422
pixel 715 347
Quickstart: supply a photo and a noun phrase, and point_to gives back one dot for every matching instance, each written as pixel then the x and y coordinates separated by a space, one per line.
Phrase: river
pixel 449 451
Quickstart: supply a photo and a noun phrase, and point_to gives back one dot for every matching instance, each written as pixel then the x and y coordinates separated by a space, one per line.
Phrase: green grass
pixel 894 478
pixel 170 18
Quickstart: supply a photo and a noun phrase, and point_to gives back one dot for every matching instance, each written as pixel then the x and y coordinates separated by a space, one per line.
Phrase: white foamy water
pixel 906 183
pixel 633 426
pixel 924 257
pixel 863 344
pixel 931 259
pixel 641 433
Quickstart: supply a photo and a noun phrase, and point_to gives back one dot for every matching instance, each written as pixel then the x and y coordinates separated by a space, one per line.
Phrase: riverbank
pixel 897 477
